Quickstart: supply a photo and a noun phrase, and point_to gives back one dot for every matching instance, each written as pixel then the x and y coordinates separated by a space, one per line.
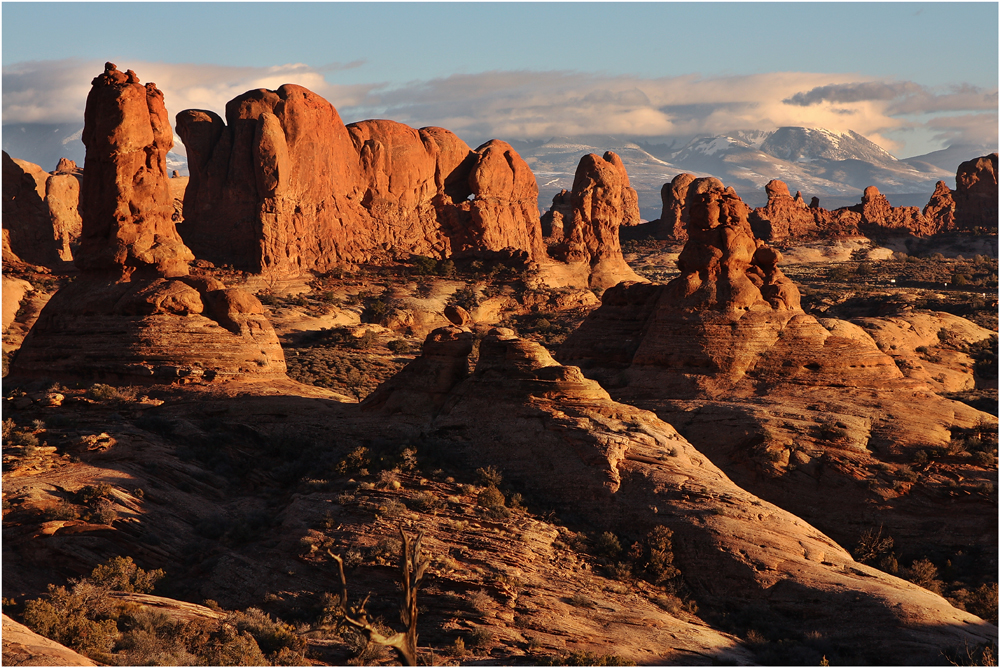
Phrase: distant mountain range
pixel 834 166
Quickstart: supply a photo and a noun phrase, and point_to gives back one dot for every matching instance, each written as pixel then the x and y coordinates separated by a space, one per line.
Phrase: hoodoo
pixel 135 314
pixel 586 231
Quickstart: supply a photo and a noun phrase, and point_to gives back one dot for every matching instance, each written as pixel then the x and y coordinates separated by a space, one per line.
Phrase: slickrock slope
pixel 283 185
pixel 976 194
pixel 135 314
pixel 561 437
pixel 24 647
pixel 601 201
pixel 791 407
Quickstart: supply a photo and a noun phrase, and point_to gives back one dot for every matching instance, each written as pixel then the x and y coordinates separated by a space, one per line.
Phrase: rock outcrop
pixel 283 185
pixel 135 314
pixel 725 353
pixel 558 434
pixel 673 221
pixel 940 208
pixel 602 200
pixel 783 216
pixel 27 224
pixel 976 194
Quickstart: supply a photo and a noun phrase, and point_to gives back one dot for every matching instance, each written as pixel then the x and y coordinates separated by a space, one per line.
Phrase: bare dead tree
pixel 412 565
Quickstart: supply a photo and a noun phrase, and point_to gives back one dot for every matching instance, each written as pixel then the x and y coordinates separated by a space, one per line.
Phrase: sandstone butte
pixel 284 186
pixel 561 435
pixel 790 406
pixel 135 314
pixel 970 207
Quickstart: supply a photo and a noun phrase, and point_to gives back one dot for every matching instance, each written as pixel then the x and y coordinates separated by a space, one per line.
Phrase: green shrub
pixel 277 640
pixel 491 498
pixel 607 545
pixel 111 394
pixel 121 574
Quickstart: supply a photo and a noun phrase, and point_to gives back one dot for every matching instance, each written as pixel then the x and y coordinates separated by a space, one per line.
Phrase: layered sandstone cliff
pixel 283 185
pixel 135 314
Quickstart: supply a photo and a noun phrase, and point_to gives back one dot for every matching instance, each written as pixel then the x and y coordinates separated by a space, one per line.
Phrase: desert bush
pixel 355 462
pixel 466 297
pixel 111 394
pixel 585 658
pixel 607 545
pixel 67 616
pixel 64 510
pixel 580 600
pixel 122 574
pixel 92 493
pixel 479 638
pixel 391 508
pixel 924 573
pixel 479 600
pixel 277 640
pixel 489 476
pixel 654 556
pixel 872 545
pixel 423 265
pixel 398 346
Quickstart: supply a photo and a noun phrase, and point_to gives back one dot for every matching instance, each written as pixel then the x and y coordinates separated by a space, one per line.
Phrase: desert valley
pixel 345 395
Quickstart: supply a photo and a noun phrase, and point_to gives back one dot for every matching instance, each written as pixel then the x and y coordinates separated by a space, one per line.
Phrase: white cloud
pixel 531 104
pixel 56 91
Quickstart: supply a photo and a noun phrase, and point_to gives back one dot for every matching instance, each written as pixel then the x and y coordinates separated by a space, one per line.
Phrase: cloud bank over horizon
pixel 903 117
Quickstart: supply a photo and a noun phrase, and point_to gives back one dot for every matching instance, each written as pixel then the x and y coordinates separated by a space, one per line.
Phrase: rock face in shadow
pixel 40 211
pixel 602 200
pixel 776 397
pixel 282 185
pixel 560 435
pixel 976 194
pixel 135 315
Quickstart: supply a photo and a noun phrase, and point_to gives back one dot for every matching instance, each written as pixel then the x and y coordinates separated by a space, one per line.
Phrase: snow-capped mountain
pixel 818 162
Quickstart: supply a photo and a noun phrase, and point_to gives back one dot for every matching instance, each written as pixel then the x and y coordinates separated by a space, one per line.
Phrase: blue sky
pixel 912 76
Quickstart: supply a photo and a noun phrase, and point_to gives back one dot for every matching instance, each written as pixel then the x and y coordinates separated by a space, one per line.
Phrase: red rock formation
pixel 726 354
pixel 135 315
pixel 940 209
pixel 26 221
pixel 44 233
pixel 283 185
pixel 672 224
pixel 125 195
pixel 878 215
pixel 976 194
pixel 559 434
pixel 602 200
pixel 783 216
pixel 554 220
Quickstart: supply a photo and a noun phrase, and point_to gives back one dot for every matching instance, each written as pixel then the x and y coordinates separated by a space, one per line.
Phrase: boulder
pixel 24 647
pixel 135 315
pixel 602 200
